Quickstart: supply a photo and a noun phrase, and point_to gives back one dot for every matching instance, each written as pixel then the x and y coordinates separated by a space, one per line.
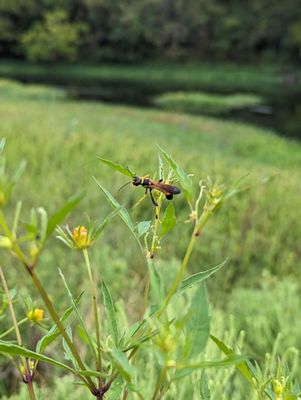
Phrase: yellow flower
pixel 35 315
pixel 80 237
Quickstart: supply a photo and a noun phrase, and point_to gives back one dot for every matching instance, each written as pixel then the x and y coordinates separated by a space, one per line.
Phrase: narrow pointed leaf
pixel 169 220
pixel 242 367
pixel 18 173
pixel 2 144
pixel 143 227
pixel 79 317
pixel 54 332
pixel 68 353
pixel 198 325
pixel 114 203
pixel 57 218
pixel 198 278
pixel 118 167
pixel 123 365
pixel 156 283
pixel 44 223
pixel 204 389
pixel 110 312
pixel 184 370
pixel 184 179
pixel 123 213
pixel 15 350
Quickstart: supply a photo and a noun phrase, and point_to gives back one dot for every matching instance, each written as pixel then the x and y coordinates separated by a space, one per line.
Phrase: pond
pixel 279 111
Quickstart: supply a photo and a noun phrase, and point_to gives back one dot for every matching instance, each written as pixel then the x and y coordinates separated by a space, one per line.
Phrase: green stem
pixel 31 390
pixel 21 256
pixel 156 226
pixel 60 326
pixel 160 382
pixel 152 255
pixel 95 309
pixel 13 327
pixel 11 307
pixel 145 296
pixel 178 279
pixel 28 381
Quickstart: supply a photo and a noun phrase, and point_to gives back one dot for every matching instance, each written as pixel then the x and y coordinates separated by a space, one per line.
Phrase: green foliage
pixel 281 301
pixel 241 229
pixel 53 39
pixel 184 29
pixel 203 103
pixel 18 91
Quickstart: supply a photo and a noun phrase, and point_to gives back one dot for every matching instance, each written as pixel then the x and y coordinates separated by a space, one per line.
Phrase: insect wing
pixel 165 188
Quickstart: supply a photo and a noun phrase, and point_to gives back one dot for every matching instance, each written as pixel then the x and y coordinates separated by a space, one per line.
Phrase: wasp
pixel 150 184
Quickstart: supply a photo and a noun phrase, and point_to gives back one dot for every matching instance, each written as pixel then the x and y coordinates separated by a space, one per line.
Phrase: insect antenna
pixel 130 171
pixel 124 185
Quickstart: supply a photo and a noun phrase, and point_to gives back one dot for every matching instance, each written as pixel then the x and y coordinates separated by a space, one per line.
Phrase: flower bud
pixel 80 237
pixel 35 315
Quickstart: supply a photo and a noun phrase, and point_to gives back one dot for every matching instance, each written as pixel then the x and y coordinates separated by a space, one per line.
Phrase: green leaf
pixel 100 226
pixel 110 312
pixel 143 227
pixel 184 179
pixel 57 218
pixel 44 223
pixel 115 392
pixel 68 353
pixel 114 203
pixel 15 350
pixel 169 220
pixel 204 389
pixel 123 213
pixel 117 167
pixel 242 367
pixel 198 278
pixel 198 325
pixel 89 372
pixel 184 370
pixel 19 171
pixel 79 317
pixel 234 188
pixel 156 283
pixel 122 364
pixel 2 144
pixel 54 332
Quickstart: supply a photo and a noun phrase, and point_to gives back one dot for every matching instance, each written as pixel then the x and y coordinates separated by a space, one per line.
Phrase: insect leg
pixel 152 197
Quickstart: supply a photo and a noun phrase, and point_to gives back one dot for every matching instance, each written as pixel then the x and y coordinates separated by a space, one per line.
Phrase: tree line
pixel 135 30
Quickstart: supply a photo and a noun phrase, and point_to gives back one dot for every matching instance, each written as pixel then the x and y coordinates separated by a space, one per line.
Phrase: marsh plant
pixel 110 357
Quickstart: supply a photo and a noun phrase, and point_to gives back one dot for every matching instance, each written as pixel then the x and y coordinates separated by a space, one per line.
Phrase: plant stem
pixel 160 382
pixel 196 232
pixel 30 269
pixel 95 309
pixel 28 374
pixel 11 308
pixel 145 296
pixel 60 326
pixel 31 390
pixel 152 255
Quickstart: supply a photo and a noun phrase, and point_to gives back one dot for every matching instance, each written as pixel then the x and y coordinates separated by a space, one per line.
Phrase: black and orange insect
pixel 150 184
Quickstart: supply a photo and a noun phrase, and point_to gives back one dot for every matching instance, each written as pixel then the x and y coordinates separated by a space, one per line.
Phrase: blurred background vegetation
pixel 218 85
pixel 111 30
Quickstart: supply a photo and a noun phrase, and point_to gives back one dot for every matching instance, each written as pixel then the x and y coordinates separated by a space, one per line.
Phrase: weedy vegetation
pixel 117 302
